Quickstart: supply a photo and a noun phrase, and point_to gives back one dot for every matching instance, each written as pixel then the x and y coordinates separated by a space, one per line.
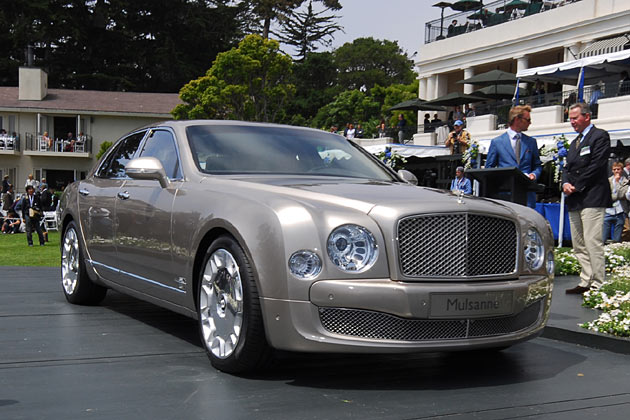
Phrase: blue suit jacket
pixel 501 155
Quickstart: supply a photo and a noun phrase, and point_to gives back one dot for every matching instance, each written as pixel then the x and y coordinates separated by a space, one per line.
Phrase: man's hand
pixel 532 177
pixel 567 188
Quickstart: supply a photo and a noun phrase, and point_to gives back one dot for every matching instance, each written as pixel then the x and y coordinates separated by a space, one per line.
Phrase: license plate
pixel 457 305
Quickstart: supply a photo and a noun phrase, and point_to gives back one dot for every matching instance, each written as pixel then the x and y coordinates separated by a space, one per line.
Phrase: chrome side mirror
pixel 148 168
pixel 408 177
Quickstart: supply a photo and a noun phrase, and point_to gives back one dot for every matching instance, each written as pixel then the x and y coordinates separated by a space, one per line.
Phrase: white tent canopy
pixel 409 150
pixel 596 68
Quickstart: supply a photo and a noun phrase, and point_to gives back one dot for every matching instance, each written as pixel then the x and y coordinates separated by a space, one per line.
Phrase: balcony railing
pixel 491 14
pixel 37 143
pixel 10 143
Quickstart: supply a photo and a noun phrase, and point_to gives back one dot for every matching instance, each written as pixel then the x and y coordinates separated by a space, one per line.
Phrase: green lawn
pixel 14 250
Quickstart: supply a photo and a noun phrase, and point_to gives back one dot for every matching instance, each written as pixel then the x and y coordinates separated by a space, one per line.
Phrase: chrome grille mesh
pixel 381 326
pixel 456 245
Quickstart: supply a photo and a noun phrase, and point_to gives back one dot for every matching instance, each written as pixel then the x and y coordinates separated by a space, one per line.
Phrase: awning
pixel 605 46
pixel 596 68
pixel 409 150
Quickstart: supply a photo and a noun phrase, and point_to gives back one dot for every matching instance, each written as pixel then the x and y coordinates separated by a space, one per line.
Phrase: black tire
pixel 230 320
pixel 76 285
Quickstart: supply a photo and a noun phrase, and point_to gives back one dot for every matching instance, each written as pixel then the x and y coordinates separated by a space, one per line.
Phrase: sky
pixel 394 20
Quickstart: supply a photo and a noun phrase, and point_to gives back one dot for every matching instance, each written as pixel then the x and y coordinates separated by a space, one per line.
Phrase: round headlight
pixel 305 264
pixel 534 250
pixel 352 248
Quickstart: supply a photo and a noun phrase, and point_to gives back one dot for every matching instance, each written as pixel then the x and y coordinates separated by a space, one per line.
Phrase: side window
pixel 114 165
pixel 161 145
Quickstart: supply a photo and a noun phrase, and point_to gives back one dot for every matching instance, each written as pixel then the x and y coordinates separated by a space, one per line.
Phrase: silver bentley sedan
pixel 279 237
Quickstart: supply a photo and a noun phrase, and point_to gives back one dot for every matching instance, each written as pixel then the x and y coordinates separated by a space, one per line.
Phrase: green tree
pixel 392 95
pixel 367 62
pixel 315 79
pixel 104 148
pixel 140 45
pixel 251 82
pixel 305 29
pixel 270 10
pixel 351 106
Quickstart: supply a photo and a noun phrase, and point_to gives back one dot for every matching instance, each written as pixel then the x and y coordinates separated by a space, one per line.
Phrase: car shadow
pixel 525 362
pixel 177 325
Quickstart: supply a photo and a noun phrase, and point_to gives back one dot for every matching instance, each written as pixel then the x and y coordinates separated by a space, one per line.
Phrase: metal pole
pixel 561 221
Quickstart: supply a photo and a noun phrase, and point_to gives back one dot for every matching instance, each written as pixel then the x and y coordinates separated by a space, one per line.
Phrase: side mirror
pixel 148 168
pixel 408 177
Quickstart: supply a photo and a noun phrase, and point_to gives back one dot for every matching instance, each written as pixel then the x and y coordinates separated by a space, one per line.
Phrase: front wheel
pixel 77 286
pixel 230 320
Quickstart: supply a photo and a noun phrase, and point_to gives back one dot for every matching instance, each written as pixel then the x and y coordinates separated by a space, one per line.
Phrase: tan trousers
pixel 588 246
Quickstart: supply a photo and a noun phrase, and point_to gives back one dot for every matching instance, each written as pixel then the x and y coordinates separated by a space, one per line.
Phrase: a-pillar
pixel 468 73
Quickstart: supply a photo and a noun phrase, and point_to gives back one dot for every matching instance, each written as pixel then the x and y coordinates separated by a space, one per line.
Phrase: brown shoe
pixel 577 290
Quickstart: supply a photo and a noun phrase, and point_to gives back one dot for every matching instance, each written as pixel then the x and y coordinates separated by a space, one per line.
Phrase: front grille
pixel 381 326
pixel 457 245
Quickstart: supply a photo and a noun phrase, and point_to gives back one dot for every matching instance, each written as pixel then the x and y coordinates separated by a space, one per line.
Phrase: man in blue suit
pixel 513 148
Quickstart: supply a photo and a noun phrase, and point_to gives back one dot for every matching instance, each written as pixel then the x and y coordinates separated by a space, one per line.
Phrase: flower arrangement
pixel 613 297
pixel 392 159
pixel 555 155
pixel 617 256
pixel 469 159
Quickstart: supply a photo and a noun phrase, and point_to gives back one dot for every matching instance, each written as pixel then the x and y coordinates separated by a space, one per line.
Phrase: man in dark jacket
pixel 585 183
pixel 32 213
pixel 45 198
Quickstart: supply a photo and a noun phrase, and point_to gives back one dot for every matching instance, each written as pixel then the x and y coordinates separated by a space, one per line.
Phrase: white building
pixel 560 31
pixel 93 117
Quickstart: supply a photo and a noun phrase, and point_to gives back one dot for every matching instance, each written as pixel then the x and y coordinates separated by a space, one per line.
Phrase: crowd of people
pixel 397 130
pixel 25 213
pixel 70 143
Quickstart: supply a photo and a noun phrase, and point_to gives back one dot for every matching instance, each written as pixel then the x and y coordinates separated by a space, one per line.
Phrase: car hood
pixel 373 197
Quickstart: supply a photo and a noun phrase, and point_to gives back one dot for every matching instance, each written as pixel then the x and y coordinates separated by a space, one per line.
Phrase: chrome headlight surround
pixel 352 248
pixel 533 250
pixel 305 264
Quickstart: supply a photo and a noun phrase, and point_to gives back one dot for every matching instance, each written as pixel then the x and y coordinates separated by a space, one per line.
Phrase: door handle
pixel 123 195
pixel 84 192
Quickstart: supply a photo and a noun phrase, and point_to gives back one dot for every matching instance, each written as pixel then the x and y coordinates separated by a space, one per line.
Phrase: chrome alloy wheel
pixel 70 261
pixel 221 304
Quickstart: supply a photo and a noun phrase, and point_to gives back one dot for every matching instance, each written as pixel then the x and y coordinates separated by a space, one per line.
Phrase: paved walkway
pixel 567 312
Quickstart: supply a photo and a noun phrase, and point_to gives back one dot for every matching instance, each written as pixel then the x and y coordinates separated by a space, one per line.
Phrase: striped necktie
pixel 578 139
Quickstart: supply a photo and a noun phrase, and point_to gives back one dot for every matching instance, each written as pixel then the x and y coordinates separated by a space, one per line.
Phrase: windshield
pixel 234 149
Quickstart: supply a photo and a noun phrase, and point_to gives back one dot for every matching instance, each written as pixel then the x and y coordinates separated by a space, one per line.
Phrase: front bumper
pixel 382 316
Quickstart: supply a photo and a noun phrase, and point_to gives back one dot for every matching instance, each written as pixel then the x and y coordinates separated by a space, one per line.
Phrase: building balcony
pixel 9 145
pixel 490 14
pixel 38 145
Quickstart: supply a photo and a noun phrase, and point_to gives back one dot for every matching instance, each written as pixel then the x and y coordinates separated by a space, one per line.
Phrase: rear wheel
pixel 230 320
pixel 77 286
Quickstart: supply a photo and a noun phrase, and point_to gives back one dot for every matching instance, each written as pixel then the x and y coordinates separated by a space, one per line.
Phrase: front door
pixel 144 220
